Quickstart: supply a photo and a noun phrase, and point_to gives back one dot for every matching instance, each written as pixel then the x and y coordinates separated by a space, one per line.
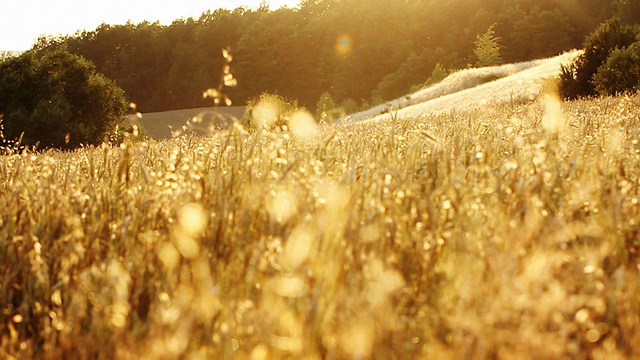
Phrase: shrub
pixel 487 48
pixel 57 100
pixel 325 107
pixel 620 73
pixel 269 111
pixel 577 78
pixel 349 105
pixel 438 74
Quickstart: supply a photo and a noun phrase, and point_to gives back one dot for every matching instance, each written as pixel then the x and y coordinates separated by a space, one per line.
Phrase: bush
pixel 438 74
pixel 325 108
pixel 576 80
pixel 269 111
pixel 349 105
pixel 487 48
pixel 57 100
pixel 620 73
pixel 414 70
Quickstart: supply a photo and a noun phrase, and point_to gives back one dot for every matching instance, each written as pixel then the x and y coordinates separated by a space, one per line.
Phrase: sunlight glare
pixel 554 119
pixel 266 114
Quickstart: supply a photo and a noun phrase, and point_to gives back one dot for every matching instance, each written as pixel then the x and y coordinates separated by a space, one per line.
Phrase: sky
pixel 23 21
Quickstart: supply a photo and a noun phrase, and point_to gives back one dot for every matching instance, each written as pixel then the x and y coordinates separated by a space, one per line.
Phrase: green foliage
pixel 376 100
pixel 293 52
pixel 628 11
pixel 413 70
pixel 540 31
pixel 438 74
pixel 487 48
pixel 620 73
pixel 57 100
pixel 7 54
pixel 364 104
pixel 577 79
pixel 325 108
pixel 349 105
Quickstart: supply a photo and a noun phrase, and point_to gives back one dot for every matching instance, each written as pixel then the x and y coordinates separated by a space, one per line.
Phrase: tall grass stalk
pixel 461 235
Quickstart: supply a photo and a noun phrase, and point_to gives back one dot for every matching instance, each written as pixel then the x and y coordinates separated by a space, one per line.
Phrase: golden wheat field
pixel 497 233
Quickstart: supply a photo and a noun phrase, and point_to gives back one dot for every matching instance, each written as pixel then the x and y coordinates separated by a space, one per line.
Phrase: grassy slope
pixel 510 232
pixel 476 87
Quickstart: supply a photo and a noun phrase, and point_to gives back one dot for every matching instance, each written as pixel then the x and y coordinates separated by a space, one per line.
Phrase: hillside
pixel 474 88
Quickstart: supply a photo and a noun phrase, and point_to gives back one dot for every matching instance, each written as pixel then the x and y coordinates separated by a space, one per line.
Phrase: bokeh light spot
pixel 303 125
pixel 344 44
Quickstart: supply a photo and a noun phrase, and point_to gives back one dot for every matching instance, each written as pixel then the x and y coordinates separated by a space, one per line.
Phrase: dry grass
pixel 476 87
pixel 507 233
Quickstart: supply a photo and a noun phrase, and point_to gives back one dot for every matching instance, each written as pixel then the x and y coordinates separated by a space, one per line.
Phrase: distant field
pixel 476 87
pixel 159 124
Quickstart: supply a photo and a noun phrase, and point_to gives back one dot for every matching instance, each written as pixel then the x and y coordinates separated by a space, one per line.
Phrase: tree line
pixel 609 65
pixel 57 100
pixel 361 52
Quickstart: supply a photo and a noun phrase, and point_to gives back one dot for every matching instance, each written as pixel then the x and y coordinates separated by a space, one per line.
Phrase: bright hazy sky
pixel 22 21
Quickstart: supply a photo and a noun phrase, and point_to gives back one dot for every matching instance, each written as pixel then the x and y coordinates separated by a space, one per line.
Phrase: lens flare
pixel 344 44
pixel 266 114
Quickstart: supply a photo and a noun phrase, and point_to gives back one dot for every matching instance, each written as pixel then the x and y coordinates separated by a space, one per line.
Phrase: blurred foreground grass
pixel 507 232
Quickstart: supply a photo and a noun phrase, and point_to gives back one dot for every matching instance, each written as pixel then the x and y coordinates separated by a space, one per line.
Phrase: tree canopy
pixel 608 64
pixel 356 50
pixel 487 48
pixel 57 99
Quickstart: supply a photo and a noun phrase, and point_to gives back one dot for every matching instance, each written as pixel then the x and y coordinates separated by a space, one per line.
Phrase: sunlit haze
pixel 22 22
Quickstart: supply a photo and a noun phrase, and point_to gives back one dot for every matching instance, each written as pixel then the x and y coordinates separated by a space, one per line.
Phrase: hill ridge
pixel 474 87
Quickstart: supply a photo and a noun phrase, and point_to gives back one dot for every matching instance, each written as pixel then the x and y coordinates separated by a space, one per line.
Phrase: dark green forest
pixel 359 51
